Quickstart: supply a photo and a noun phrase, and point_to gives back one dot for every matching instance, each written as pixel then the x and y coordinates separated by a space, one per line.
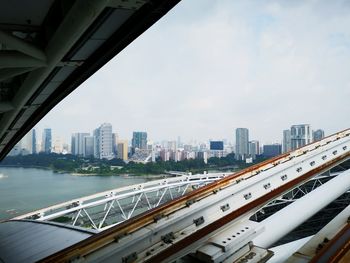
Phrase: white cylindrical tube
pixel 285 220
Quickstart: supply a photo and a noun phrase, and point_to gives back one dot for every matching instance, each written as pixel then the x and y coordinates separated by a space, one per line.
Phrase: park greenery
pixel 74 164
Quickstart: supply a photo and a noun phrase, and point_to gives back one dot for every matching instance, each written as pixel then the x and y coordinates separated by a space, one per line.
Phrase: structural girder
pixel 188 222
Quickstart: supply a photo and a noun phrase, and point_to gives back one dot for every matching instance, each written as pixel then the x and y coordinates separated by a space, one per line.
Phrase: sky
pixel 208 67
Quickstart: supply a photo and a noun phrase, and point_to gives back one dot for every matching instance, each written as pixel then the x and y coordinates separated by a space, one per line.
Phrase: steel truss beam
pixel 106 209
pixel 183 225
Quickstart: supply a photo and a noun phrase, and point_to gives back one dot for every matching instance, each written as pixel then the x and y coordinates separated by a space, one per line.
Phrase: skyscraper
pixel 300 135
pixel 286 144
pixel 242 141
pixel 89 146
pixel 271 150
pixel 254 149
pixel 78 143
pixel 28 143
pixel 103 142
pixel 122 150
pixel 46 143
pixel 318 135
pixel 115 143
pixel 139 141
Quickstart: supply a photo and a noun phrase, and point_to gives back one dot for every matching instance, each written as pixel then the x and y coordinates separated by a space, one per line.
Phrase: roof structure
pixel 30 241
pixel 48 48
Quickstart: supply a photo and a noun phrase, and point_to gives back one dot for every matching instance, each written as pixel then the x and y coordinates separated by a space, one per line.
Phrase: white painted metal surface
pixel 106 209
pixel 147 242
pixel 285 220
pixel 308 250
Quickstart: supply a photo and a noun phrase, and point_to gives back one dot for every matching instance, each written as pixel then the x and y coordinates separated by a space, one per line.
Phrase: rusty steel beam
pixel 336 249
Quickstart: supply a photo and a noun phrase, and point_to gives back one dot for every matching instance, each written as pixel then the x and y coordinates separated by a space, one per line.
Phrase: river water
pixel 24 190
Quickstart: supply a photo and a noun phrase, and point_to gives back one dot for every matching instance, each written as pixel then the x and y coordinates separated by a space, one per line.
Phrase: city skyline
pixel 106 144
pixel 227 141
pixel 232 141
pixel 233 64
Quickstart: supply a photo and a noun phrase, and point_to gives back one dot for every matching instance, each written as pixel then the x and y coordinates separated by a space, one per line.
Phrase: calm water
pixel 26 189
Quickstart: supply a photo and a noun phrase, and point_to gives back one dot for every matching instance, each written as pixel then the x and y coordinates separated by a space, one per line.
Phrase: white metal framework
pixel 103 210
pixel 184 225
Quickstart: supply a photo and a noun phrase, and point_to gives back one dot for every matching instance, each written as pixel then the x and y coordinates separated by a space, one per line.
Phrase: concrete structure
pixel 300 135
pixel 103 142
pixel 122 150
pixel 48 49
pixel 139 141
pixel 318 135
pixel 46 142
pixel 242 141
pixel 287 143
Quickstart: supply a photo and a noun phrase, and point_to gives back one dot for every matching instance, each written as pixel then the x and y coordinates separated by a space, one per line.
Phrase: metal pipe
pixel 285 220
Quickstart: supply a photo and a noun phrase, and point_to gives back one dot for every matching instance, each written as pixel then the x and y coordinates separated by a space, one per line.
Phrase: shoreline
pixel 126 176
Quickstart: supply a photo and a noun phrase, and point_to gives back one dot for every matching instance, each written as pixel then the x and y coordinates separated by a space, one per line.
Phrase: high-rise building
pixel 318 135
pixel 46 143
pixel 57 146
pixel 203 156
pixel 122 151
pixel 287 143
pixel 253 149
pixel 300 135
pixel 78 143
pixel 88 146
pixel 103 142
pixel 217 145
pixel 271 150
pixel 28 143
pixel 164 155
pixel 115 143
pixel 242 143
pixel 172 146
pixel 139 141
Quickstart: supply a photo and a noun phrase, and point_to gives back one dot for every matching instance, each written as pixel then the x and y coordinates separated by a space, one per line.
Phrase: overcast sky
pixel 209 67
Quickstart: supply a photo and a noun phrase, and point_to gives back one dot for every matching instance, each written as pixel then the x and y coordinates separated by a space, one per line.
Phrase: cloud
pixel 208 67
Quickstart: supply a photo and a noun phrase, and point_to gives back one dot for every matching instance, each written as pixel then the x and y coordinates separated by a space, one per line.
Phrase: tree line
pixel 72 163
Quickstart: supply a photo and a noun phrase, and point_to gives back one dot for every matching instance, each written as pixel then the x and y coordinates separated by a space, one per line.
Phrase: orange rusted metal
pixel 336 249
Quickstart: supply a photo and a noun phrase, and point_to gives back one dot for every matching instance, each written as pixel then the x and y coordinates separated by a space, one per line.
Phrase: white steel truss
pixel 104 210
pixel 188 222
